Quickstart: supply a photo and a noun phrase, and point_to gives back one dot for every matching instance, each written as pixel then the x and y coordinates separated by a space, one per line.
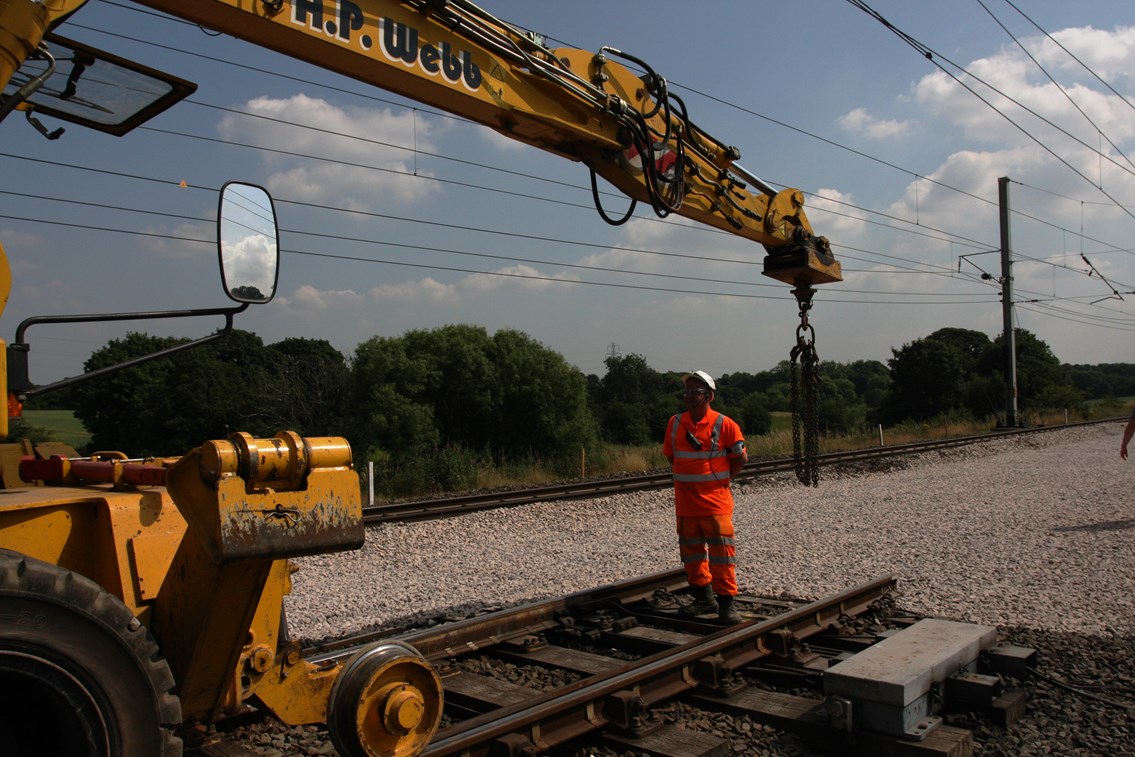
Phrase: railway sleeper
pixel 808 718
pixel 672 741
pixel 589 649
pixel 886 698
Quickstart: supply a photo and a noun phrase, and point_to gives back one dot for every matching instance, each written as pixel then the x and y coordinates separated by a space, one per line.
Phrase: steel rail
pixel 579 707
pixel 486 630
pixel 458 505
pixel 603 700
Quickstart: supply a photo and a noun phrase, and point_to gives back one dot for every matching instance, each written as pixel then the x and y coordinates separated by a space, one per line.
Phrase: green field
pixel 61 426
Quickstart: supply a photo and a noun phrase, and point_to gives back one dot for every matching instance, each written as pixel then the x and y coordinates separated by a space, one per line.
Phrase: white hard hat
pixel 703 377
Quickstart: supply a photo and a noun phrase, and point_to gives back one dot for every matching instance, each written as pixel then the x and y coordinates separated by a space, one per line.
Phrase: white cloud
pixel 309 299
pixel 414 292
pixel 511 277
pixel 53 294
pixel 361 158
pixel 14 239
pixel 840 218
pixel 514 278
pixel 859 121
pixel 1109 53
pixel 1014 76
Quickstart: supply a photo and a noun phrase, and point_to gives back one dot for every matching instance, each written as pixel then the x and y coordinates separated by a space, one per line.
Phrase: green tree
pixel 1042 382
pixel 872 381
pixel 115 408
pixel 504 395
pixel 753 416
pixel 629 398
pixel 840 410
pixel 388 415
pixel 312 386
pixel 170 405
pixel 932 376
pixel 543 406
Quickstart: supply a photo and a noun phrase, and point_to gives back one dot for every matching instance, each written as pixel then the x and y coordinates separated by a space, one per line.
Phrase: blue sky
pixel 410 222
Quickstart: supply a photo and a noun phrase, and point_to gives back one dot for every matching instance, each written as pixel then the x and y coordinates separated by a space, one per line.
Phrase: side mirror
pixel 248 243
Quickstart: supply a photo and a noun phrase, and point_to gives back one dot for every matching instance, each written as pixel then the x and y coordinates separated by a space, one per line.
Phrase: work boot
pixel 725 609
pixel 703 602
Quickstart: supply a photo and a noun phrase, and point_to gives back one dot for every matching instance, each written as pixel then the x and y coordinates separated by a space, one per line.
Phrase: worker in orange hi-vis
pixel 706 450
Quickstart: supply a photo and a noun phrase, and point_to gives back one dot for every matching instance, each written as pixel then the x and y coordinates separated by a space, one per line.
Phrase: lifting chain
pixel 805 380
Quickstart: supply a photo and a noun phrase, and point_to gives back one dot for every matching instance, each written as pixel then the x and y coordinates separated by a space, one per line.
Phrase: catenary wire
pixel 425 248
pixel 1056 84
pixel 934 56
pixel 707 229
pixel 451 116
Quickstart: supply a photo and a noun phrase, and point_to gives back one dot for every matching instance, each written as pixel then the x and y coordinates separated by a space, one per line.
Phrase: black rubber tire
pixel 79 675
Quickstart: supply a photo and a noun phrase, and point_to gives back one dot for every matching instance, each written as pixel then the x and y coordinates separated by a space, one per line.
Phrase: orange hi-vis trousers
pixel 706 546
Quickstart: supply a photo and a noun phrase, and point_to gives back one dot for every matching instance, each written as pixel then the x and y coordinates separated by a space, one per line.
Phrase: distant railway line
pixel 445 507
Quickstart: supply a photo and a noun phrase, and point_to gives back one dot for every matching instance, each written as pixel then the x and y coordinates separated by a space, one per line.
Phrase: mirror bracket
pixel 19 382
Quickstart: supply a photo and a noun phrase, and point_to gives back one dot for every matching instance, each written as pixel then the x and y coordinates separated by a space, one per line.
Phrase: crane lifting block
pixel 887 687
pixel 805 264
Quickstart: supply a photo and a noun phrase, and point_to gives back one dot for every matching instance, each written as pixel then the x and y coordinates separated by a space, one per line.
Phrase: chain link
pixel 805 381
pixel 794 384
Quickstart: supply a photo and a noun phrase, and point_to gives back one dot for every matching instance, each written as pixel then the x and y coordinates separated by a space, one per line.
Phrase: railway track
pixel 617 670
pixel 595 669
pixel 458 505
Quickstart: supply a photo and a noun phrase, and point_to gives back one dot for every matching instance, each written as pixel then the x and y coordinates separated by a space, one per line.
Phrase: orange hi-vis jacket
pixel 701 474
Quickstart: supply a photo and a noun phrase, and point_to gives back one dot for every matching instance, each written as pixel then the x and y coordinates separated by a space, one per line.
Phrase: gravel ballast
pixel 1035 530
pixel 1032 533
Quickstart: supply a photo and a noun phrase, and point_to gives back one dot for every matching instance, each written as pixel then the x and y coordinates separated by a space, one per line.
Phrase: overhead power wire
pixel 1055 83
pixel 354 164
pixel 444 114
pixel 920 303
pixel 1066 197
pixel 344 238
pixel 954 238
pixel 943 271
pixel 921 230
pixel 406 219
pixel 1071 55
pixel 451 116
pixel 472 271
pixel 1094 322
pixel 934 57
pixel 416 150
pixel 1079 234
pixel 495 168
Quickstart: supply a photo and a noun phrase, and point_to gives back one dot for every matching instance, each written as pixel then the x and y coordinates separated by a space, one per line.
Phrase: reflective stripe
pixel 721 560
pixel 720 541
pixel 699 455
pixel 694 477
pixel 714 436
